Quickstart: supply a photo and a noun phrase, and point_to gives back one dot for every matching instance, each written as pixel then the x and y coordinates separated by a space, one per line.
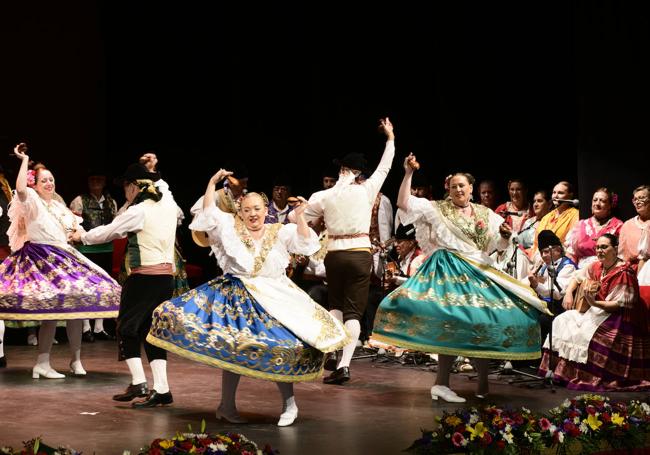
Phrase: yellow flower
pixel 453 421
pixel 593 422
pixel 478 431
pixel 166 444
pixel 617 419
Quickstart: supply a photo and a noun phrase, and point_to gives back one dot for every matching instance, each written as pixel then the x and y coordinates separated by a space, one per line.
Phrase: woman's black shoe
pixel 154 399
pixel 103 335
pixel 133 391
pixel 88 337
pixel 3 362
pixel 339 376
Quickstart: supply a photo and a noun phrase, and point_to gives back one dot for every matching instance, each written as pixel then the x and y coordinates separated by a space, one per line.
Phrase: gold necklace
pixel 59 217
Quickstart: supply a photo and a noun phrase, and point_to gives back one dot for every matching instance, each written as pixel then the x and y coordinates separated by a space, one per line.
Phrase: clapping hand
pixel 301 206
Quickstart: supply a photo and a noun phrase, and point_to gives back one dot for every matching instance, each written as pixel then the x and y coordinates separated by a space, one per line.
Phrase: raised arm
pixel 405 187
pixel 20 151
pixel 208 198
pixel 299 213
pixel 377 178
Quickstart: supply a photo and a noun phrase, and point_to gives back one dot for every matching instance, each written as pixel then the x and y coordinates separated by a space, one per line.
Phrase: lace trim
pixel 269 239
pixel 475 228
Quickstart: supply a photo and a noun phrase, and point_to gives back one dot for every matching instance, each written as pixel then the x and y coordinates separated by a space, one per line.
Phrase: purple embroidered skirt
pixel 43 282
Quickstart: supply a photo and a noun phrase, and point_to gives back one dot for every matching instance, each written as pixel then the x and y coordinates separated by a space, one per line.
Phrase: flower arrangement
pixel 203 443
pixel 37 447
pixel 587 421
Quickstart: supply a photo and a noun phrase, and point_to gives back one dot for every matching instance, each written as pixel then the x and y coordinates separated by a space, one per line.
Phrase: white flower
pixel 435 435
pixel 447 436
pixel 560 437
pixel 508 428
pixel 552 429
pixel 473 418
pixel 526 410
pixel 464 442
pixel 646 407
pixel 201 435
pixel 189 435
pixel 508 438
pixel 126 452
pixel 583 427
pixel 566 403
pixel 576 420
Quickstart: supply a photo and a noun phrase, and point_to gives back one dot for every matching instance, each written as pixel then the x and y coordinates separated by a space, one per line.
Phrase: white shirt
pixel 347 207
pixel 563 279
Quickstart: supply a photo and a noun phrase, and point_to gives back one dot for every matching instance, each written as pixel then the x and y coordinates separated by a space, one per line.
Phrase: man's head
pixel 405 240
pixel 96 182
pixel 487 194
pixel 281 191
pixel 550 246
pixel 354 163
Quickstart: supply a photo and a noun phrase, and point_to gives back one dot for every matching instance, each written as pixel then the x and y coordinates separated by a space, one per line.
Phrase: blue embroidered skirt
pixel 220 324
pixel 451 307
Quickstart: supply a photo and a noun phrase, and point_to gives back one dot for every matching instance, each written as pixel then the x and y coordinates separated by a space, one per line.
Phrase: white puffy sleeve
pixel 297 244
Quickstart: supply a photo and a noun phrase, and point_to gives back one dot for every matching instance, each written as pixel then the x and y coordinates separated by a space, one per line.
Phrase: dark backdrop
pixel 546 92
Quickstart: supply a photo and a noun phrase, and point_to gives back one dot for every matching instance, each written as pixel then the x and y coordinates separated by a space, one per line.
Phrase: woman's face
pixel 541 205
pixel 253 211
pixel 601 206
pixel 605 251
pixel 460 190
pixel 641 201
pixel 45 183
pixel 560 191
pixel 517 194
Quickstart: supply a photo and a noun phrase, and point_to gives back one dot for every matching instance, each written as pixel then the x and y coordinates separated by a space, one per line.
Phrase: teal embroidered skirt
pixel 220 324
pixel 451 307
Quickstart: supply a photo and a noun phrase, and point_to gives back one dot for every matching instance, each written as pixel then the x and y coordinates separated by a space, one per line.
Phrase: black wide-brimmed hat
pixel 137 171
pixel 354 161
pixel 405 232
pixel 547 238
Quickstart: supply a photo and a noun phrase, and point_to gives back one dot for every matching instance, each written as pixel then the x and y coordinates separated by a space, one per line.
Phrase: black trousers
pixel 348 279
pixel 141 294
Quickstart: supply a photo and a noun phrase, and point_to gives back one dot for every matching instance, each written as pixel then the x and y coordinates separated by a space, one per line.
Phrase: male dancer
pixel 346 209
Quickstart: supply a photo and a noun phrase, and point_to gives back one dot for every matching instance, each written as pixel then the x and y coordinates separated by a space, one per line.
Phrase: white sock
pixel 86 326
pixel 2 338
pixel 337 314
pixel 159 370
pixel 99 325
pixel 354 328
pixel 137 370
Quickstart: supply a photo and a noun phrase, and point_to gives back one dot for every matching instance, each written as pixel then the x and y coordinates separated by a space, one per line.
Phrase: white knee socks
pixel 136 369
pixel 159 370
pixel 354 328
pixel 99 325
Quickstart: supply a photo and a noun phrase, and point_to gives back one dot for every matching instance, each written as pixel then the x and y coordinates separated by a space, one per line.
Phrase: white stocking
pixel 354 328
pixel 2 338
pixel 159 370
pixel 99 326
pixel 288 399
pixel 137 370
pixel 86 326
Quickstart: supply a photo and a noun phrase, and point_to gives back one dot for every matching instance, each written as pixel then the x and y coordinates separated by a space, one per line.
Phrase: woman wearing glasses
pixel 634 242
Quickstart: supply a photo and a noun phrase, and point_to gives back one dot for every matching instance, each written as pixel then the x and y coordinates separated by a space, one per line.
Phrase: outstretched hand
pixel 300 208
pixel 20 151
pixel 387 127
pixel 219 176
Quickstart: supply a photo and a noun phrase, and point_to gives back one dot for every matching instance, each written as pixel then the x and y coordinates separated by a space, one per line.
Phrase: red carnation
pixel 501 444
pixel 486 440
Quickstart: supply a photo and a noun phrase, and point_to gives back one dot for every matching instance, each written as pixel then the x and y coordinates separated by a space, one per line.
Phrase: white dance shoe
pixel 446 394
pixel 288 416
pixel 231 416
pixel 76 369
pixel 49 373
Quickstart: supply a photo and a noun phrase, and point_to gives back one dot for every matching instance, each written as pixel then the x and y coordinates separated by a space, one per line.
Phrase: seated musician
pixel 308 272
pixel 409 257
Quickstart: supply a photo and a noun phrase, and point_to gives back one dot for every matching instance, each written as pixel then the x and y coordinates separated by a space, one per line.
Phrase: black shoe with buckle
pixel 133 391
pixel 338 377
pixel 87 336
pixel 154 399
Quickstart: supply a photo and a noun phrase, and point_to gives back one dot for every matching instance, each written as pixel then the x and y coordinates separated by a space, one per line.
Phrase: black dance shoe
pixel 3 362
pixel 331 360
pixel 103 335
pixel 87 336
pixel 339 376
pixel 154 399
pixel 133 391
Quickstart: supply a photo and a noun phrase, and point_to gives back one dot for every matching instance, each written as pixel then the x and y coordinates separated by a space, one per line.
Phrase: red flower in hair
pixel 447 179
pixel 31 178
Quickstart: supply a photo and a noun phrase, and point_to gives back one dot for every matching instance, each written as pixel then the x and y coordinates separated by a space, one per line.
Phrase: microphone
pixel 568 201
pixel 509 213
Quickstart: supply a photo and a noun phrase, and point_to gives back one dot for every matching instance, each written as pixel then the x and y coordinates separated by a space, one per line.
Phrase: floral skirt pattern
pixel 449 306
pixel 42 282
pixel 220 323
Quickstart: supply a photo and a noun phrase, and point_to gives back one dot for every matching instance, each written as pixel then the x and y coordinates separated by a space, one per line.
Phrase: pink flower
pixel 544 424
pixel 447 179
pixel 31 178
pixel 480 224
pixel 458 439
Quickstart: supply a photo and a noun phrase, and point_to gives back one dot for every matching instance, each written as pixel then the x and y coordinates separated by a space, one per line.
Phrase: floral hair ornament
pixel 447 180
pixel 31 178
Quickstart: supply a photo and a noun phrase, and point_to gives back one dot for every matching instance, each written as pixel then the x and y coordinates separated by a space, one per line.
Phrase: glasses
pixel 640 200
pixel 602 247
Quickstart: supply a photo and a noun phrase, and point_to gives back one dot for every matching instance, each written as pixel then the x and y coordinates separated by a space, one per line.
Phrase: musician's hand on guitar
pixel 533 280
pixel 302 260
pixel 505 230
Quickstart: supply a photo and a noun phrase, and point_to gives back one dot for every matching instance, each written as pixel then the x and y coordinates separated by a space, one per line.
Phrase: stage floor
pixel 379 411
